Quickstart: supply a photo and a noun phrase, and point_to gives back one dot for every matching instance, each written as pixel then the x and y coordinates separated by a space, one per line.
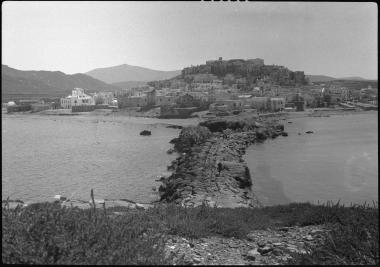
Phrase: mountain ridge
pixel 126 73
pixel 18 84
pixel 325 78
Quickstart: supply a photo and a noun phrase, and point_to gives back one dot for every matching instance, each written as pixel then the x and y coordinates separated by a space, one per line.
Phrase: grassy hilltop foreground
pixel 47 233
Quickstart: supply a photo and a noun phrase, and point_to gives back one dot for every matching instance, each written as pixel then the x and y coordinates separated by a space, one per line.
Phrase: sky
pixel 335 39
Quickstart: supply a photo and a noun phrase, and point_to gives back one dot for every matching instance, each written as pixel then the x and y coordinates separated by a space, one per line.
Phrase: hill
pixel 319 78
pixel 354 78
pixel 125 73
pixel 324 78
pixel 129 84
pixel 17 84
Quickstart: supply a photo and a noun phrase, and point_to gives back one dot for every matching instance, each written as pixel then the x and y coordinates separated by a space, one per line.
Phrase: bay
pixel 339 161
pixel 69 155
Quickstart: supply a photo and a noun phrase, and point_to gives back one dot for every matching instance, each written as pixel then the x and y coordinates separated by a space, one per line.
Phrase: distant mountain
pixel 17 84
pixel 125 73
pixel 319 78
pixel 353 78
pixel 324 78
pixel 129 84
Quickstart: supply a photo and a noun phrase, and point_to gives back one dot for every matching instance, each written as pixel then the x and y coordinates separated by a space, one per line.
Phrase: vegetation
pixel 47 233
pixel 191 135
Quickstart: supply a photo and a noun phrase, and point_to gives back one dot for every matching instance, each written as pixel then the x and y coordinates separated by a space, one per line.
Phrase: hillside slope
pixel 17 84
pixel 125 73
pixel 319 78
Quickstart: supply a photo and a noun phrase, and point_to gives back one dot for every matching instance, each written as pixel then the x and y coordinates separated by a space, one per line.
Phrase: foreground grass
pixel 46 233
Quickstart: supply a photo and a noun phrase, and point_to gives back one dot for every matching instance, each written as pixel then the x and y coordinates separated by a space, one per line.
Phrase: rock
pixel 257 124
pixel 197 260
pixel 143 206
pixel 279 127
pixel 212 204
pixel 119 213
pixel 290 122
pixel 274 135
pixel 60 198
pixel 277 252
pixel 160 178
pixel 309 132
pixel 174 140
pixel 239 171
pixel 252 254
pixel 316 231
pixel 308 238
pixel 264 250
pixel 261 134
pixel 251 237
pixel 170 151
pixel 233 245
pixel 174 126
pixel 261 244
pixel 145 132
pixel 284 134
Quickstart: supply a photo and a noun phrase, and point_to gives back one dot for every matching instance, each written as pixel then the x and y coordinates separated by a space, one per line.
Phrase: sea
pixel 44 156
pixel 338 162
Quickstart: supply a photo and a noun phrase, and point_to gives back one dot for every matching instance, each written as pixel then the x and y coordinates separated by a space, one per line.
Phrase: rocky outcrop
pixel 173 126
pixel 210 169
pixel 145 132
pixel 261 247
pixel 190 136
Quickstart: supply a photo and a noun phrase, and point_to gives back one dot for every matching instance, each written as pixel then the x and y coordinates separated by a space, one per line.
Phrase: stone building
pixel 132 101
pixel 277 104
pixel 104 98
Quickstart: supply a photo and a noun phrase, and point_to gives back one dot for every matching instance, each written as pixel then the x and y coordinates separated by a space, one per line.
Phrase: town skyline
pixel 171 36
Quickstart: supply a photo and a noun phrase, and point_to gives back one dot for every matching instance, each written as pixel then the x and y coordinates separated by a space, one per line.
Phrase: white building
pixel 77 98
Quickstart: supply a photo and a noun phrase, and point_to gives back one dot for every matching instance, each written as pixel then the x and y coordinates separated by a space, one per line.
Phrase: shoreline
pixel 224 150
pixel 240 137
pixel 212 169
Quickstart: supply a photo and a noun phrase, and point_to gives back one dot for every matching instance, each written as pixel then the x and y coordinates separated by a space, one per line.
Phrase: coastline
pixel 232 146
pixel 288 234
pixel 231 184
pixel 211 169
pixel 239 142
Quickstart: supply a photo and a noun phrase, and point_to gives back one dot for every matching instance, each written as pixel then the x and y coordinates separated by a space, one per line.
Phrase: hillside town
pixel 220 87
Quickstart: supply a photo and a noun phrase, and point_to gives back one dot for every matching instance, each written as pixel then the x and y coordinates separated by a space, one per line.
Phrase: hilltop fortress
pixel 248 71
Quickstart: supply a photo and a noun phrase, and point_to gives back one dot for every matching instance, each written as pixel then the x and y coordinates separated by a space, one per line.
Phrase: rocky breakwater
pixel 210 168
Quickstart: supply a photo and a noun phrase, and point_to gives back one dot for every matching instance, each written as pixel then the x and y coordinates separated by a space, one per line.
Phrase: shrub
pixel 49 234
pixel 190 136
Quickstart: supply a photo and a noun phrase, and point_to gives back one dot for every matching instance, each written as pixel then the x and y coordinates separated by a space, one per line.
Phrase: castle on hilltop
pixel 252 70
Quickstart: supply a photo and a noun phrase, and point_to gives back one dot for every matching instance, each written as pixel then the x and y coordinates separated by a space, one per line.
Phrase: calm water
pixel 338 161
pixel 47 155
